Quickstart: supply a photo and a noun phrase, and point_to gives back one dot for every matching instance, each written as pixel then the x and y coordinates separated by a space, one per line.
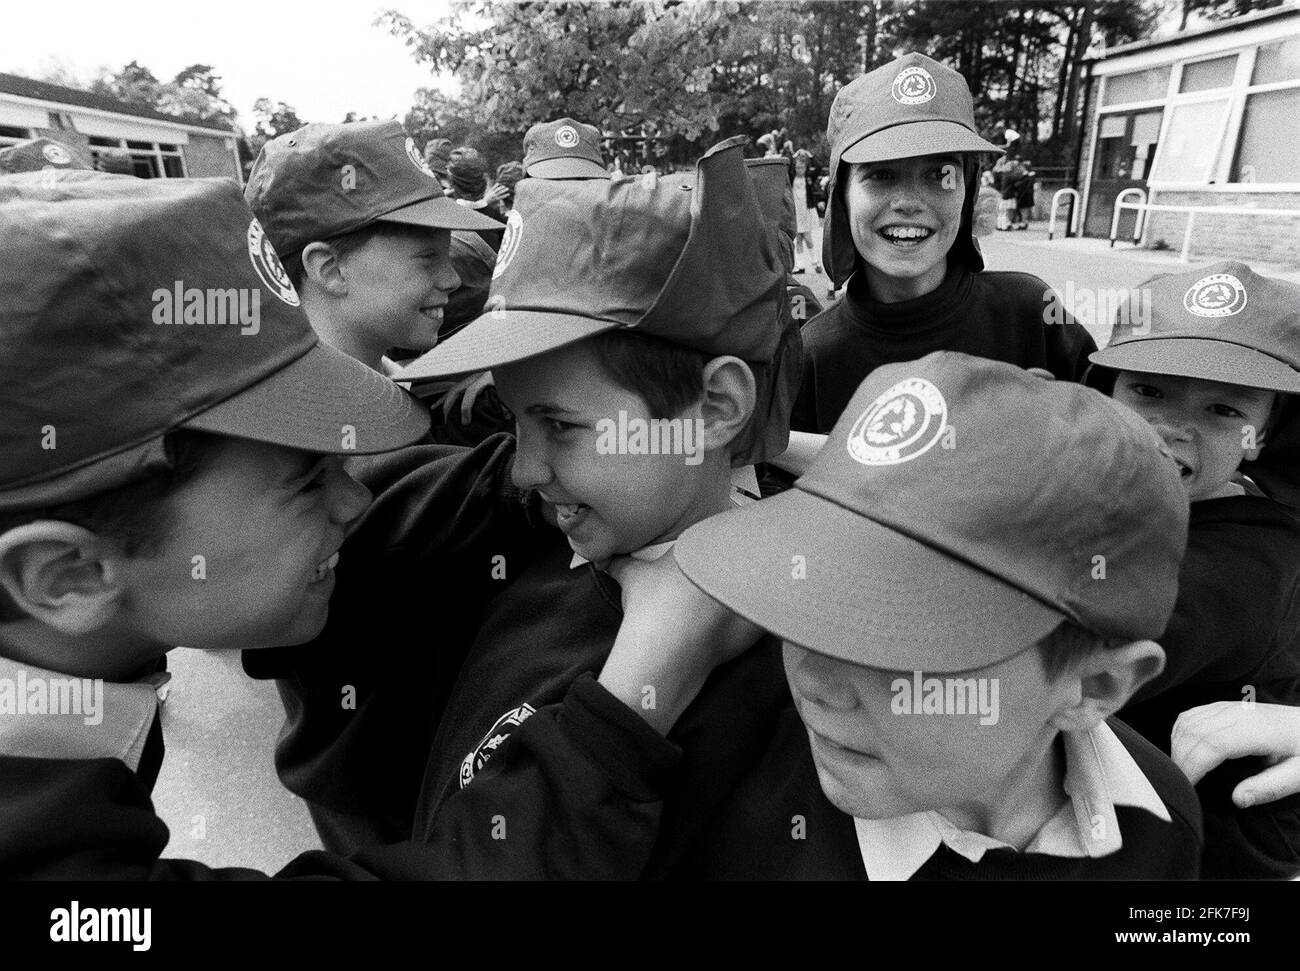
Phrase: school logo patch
pixel 492 741
pixel 901 424
pixel 56 154
pixel 417 159
pixel 914 86
pixel 268 266
pixel 1216 295
pixel 509 242
pixel 566 136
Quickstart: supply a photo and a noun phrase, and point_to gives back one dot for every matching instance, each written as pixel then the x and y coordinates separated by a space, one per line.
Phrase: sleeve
pixel 1259 843
pixel 803 416
pixel 1068 347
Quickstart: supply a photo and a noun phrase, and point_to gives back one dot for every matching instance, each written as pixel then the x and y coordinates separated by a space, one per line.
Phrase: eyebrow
pixel 545 408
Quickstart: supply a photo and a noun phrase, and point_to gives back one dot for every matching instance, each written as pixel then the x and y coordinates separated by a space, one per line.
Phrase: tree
pixel 274 120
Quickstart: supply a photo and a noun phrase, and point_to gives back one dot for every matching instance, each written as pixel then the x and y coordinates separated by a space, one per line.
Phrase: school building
pixel 1208 118
pixel 159 145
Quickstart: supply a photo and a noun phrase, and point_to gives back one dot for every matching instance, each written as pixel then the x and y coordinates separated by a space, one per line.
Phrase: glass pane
pixel 172 166
pixel 1272 119
pixel 1146 127
pixel 1112 126
pixel 1279 61
pixel 1204 75
pixel 1139 86
pixel 1189 149
pixel 145 166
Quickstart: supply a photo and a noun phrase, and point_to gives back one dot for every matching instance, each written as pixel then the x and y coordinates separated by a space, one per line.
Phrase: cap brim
pixel 322 402
pixel 567 167
pixel 834 582
pixel 1204 358
pixel 440 213
pixel 917 138
pixel 502 337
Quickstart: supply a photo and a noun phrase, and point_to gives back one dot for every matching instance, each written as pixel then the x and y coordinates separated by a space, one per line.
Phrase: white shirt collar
pixel 1099 775
pixel 48 715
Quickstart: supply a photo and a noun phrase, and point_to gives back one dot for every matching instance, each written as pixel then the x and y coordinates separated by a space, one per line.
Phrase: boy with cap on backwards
pixel 193 493
pixel 667 318
pixel 1215 371
pixel 952 650
pixel 898 228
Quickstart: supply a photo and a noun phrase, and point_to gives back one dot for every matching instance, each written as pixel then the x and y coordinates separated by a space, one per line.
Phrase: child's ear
pixel 322 266
pixel 1108 677
pixel 729 397
pixel 62 575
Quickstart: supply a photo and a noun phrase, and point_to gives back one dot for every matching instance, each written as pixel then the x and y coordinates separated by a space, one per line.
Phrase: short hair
pixel 131 513
pixel 668 376
pixel 1067 644
pixel 345 244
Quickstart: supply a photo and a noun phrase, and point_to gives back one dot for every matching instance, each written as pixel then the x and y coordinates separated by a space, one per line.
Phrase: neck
pixel 1018 805
pixel 338 333
pixel 894 289
pixel 102 654
pixel 713 497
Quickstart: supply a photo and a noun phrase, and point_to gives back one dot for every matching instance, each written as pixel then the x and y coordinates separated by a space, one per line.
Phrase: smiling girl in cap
pixel 904 159
pixel 1216 373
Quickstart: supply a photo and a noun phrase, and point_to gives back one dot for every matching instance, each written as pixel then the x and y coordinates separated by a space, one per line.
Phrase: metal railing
pixel 1144 207
pixel 1073 228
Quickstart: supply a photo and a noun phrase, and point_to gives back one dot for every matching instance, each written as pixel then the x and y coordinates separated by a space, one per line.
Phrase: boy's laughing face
pixel 606 504
pixel 1209 427
pixel 268 522
pixel 904 215
pixel 399 281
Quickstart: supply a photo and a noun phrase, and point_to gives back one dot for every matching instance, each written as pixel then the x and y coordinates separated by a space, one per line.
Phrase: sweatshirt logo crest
pixel 493 740
pixel 57 155
pixel 1216 295
pixel 901 424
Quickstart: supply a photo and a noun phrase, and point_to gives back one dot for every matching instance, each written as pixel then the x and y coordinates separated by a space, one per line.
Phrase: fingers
pixel 1275 782
pixel 1206 736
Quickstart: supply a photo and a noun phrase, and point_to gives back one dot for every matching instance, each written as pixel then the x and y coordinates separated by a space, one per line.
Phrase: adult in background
pixel 805 213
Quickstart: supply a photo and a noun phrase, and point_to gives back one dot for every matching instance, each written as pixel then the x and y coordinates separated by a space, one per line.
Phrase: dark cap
pixel 436 154
pixel 132 307
pixel 1222 322
pixel 687 257
pixel 959 511
pixel 38 154
pixel 563 149
pixel 909 107
pixel 326 180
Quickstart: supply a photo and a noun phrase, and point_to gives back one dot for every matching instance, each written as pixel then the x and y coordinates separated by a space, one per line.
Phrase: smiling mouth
pixel 1184 470
pixel 433 312
pixel 324 567
pixel 906 235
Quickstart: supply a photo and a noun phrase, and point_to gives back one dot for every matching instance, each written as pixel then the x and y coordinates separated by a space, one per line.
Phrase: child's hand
pixel 672 637
pixel 1204 737
pixel 467 389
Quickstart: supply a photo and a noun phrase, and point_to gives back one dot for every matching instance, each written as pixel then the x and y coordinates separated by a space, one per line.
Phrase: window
pixel 1207 75
pixel 10 135
pixel 1279 61
pixel 149 160
pixel 1271 123
pixel 1191 145
pixel 1149 85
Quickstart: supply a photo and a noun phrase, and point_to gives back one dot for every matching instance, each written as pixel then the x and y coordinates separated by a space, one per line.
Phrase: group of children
pixel 1014 576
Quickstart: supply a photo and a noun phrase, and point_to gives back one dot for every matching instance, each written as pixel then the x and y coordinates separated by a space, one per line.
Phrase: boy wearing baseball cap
pixel 1215 371
pixel 667 318
pixel 363 227
pixel 965 593
pixel 899 229
pixel 192 493
pixel 563 149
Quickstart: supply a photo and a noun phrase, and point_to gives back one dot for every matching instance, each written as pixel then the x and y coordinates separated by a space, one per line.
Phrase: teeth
pixel 906 232
pixel 323 568
pixel 567 509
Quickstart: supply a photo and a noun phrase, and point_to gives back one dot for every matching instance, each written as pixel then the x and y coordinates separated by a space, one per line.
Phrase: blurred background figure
pixel 805 211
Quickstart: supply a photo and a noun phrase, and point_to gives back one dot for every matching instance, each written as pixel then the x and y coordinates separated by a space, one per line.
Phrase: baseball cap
pixel 437 153
pixel 326 180
pixel 133 307
pixel 1223 322
pixel 957 513
pixel 909 107
pixel 563 149
pixel 686 257
pixel 40 153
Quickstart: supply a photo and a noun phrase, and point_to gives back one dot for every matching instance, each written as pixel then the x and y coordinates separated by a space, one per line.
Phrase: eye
pixel 557 427
pixel 877 175
pixel 1145 391
pixel 1226 411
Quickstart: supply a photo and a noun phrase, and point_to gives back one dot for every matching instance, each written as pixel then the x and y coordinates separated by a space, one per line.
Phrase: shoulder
pixel 1165 777
pixel 1012 285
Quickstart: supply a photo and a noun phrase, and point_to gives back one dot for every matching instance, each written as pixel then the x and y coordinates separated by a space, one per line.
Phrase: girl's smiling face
pixel 1209 427
pixel 904 216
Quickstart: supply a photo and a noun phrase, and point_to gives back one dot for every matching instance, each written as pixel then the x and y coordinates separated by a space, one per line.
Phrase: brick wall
pixel 1269 239
pixel 209 156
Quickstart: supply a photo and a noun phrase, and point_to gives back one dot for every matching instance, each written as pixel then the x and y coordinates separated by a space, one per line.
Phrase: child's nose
pixel 446 278
pixel 1173 430
pixel 821 679
pixel 532 469
pixel 348 497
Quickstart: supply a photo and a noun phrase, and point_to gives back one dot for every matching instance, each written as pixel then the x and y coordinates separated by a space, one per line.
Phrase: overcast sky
pixel 323 59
